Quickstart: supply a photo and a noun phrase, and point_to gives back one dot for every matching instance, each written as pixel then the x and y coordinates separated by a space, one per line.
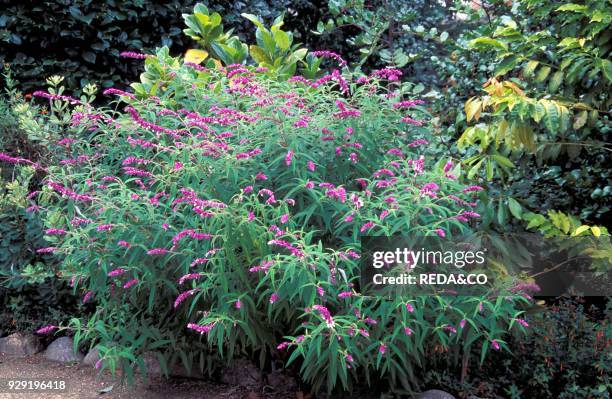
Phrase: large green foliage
pixel 546 107
pixel 30 294
pixel 82 39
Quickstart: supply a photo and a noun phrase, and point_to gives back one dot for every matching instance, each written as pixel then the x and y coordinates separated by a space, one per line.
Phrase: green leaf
pixel 606 68
pixel 487 42
pixel 542 74
pixel 506 65
pixel 255 20
pixel 555 81
pixel 282 39
pixel 89 57
pixel 515 208
pixel 551 120
pixel 259 55
pixel 529 68
pixel 580 230
pixel 573 7
pixel 501 213
pixel 580 120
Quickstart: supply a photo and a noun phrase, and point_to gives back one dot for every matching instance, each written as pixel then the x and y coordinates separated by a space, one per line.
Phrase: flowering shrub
pixel 221 217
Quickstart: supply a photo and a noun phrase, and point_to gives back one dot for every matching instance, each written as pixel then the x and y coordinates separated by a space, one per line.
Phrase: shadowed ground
pixel 85 383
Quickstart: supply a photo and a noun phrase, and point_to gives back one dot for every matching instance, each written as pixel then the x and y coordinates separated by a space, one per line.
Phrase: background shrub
pixel 30 294
pixel 82 40
pixel 564 356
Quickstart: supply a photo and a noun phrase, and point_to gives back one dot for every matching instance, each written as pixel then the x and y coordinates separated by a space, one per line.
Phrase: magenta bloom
pixel 366 226
pixel 409 307
pixel 198 261
pixel 288 158
pixel 382 348
pixel 201 329
pixel 330 54
pixel 440 232
pixel 471 188
pixel 450 329
pixel 183 296
pixel 46 329
pixel 116 272
pixel 47 250
pixel 283 345
pixel 407 331
pixel 134 55
pixel 88 296
pixel 495 345
pixel 345 294
pixel 157 251
pixel 190 276
pixel 130 283
pixel 311 166
pixel 273 297
pixel 104 227
pixel 284 219
pixel 324 313
pixel 522 322
pixel 55 232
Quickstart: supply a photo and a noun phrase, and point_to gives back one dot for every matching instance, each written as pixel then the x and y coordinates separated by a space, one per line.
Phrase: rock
pixel 20 344
pixel 281 381
pixel 62 350
pixel 434 394
pixel 242 373
pixel 92 357
pixel 152 364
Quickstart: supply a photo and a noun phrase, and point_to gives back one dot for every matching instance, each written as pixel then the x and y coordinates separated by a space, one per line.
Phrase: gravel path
pixel 85 383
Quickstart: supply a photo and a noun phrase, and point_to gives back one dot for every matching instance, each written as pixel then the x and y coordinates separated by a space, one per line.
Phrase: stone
pixel 281 381
pixel 92 357
pixel 152 364
pixel 434 394
pixel 62 350
pixel 242 373
pixel 20 344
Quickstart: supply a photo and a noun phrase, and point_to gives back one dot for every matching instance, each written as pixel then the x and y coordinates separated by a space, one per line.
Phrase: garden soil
pixel 84 382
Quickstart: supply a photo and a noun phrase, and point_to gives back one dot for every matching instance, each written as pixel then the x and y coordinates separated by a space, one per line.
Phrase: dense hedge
pixel 82 39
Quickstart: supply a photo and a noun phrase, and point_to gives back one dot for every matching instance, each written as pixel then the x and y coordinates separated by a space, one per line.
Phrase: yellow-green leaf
pixel 472 109
pixel 596 231
pixel 195 56
pixel 555 81
pixel 580 230
pixel 542 74
pixel 530 68
pixel 484 42
pixel 580 120
pixel 282 39
pixel 259 55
